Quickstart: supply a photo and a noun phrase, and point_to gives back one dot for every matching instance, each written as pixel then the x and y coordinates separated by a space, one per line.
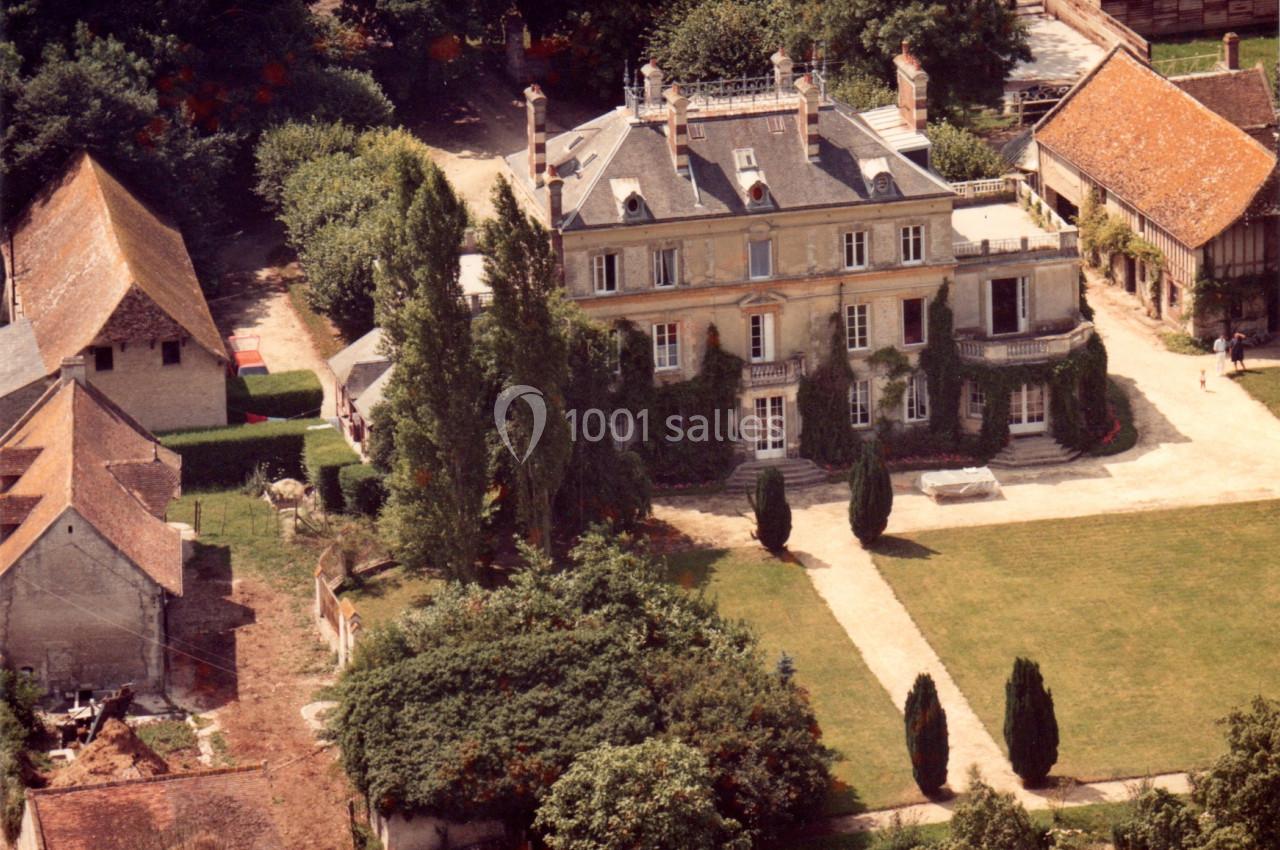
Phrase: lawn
pixel 1258 46
pixel 1262 384
pixel 856 715
pixel 327 340
pixel 1148 626
pixel 383 597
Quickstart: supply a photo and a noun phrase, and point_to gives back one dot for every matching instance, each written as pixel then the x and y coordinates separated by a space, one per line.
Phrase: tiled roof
pixel 16 461
pixel 20 360
pixel 616 147
pixel 85 245
pixel 82 435
pixel 1242 97
pixel 227 808
pixel 1182 165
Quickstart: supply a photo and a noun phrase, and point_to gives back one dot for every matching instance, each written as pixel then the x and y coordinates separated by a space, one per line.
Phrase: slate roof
pixel 20 360
pixel 97 460
pixel 1242 97
pixel 1181 164
pixel 83 246
pixel 616 147
pixel 229 808
pixel 367 349
pixel 373 395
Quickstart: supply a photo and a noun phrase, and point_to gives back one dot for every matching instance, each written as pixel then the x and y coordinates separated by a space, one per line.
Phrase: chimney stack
pixel 536 107
pixel 782 65
pixel 72 370
pixel 913 89
pixel 652 83
pixel 1231 51
pixel 808 116
pixel 678 129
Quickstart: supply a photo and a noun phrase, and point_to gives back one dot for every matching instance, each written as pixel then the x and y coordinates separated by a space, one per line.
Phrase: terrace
pixel 1004 216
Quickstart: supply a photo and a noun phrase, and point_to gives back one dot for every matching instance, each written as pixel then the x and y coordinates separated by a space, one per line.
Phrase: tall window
pixel 171 352
pixel 666 345
pixel 664 267
pixel 761 337
pixel 860 404
pixel 614 353
pixel 104 358
pixel 761 258
pixel 913 243
pixel 856 326
pixel 913 321
pixel 855 249
pixel 917 399
pixel 604 272
pixel 977 400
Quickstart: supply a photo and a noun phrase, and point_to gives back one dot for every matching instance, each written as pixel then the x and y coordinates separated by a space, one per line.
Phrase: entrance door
pixel 771 421
pixel 1130 275
pixel 1008 305
pixel 1026 410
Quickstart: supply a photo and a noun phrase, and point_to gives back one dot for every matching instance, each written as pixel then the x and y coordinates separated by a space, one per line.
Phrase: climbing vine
pixel 896 368
pixel 1222 296
pixel 826 435
pixel 941 364
pixel 1103 235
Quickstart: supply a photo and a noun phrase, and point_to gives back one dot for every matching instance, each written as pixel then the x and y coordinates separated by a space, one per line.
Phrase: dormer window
pixel 745 159
pixel 626 194
pixel 758 194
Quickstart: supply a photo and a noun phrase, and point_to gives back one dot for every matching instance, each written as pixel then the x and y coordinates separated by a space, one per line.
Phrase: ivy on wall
pixel 942 367
pixel 895 368
pixel 1103 235
pixel 826 435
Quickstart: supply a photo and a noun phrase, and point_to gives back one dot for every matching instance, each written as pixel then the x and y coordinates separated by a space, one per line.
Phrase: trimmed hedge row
pixel 363 490
pixel 282 394
pixel 324 455
pixel 224 457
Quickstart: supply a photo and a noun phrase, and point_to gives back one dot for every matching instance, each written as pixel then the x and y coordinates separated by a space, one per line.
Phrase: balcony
pixel 1005 219
pixel 1025 349
pixel 773 373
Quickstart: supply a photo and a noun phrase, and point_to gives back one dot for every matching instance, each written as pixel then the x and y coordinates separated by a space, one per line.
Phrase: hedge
pixel 324 454
pixel 282 394
pixel 363 490
pixel 221 457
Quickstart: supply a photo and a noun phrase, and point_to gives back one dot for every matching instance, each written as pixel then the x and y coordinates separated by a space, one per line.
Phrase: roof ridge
pixel 113 233
pixel 144 780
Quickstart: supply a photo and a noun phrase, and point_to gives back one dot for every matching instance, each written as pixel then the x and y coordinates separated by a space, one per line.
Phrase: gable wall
pixel 191 394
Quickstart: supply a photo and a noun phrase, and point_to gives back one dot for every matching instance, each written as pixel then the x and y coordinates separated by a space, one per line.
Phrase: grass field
pixel 855 713
pixel 1255 47
pixel 1148 626
pixel 1262 384
pixel 385 596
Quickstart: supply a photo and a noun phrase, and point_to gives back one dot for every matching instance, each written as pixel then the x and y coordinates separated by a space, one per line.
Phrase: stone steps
pixel 1037 450
pixel 796 473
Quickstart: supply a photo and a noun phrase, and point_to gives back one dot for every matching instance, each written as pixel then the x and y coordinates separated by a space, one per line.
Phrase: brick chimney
pixel 652 83
pixel 913 89
pixel 555 211
pixel 678 129
pixel 72 369
pixel 536 108
pixel 1231 51
pixel 808 118
pixel 782 65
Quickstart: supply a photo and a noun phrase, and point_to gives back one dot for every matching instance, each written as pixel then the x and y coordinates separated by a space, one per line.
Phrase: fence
pixel 1096 25
pixel 337 619
pixel 738 94
pixel 1186 64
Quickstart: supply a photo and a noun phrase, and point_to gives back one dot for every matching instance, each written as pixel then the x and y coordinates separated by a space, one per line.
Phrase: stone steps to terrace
pixel 1035 450
pixel 796 473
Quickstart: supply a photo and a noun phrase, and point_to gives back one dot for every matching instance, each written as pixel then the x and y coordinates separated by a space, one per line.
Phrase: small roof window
pixel 745 159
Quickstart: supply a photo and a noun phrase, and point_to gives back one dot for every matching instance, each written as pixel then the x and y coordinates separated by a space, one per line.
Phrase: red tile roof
pixel 84 246
pixel 1182 165
pixel 16 461
pixel 227 808
pixel 82 435
pixel 1241 97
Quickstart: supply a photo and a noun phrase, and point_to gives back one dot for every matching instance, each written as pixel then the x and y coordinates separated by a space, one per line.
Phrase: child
pixel 1202 379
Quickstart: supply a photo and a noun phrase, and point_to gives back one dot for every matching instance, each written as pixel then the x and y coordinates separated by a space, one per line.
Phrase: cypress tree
pixel 870 494
pixel 926 724
pixel 1030 726
pixel 941 363
pixel 773 514
pixel 826 435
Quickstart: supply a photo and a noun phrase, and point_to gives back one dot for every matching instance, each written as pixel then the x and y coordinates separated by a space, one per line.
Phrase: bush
pixel 927 744
pixel 167 736
pixel 12 759
pixel 283 395
pixel 283 149
pixel 1160 821
pixel 773 514
pixel 862 91
pixel 1030 726
pixel 225 457
pixel 1123 435
pixel 870 495
pixel 959 155
pixel 363 490
pixel 988 820
pixel 324 454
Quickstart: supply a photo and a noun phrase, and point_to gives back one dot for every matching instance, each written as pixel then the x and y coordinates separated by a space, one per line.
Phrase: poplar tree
pixel 870 494
pixel 1030 726
pixel 531 348
pixel 927 743
pixel 439 400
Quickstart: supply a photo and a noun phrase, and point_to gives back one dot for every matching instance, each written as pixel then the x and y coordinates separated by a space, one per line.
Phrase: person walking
pixel 1237 352
pixel 1220 352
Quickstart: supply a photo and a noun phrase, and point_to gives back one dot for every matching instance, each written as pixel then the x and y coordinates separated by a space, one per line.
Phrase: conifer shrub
pixel 773 514
pixel 870 494
pixel 1030 726
pixel 927 744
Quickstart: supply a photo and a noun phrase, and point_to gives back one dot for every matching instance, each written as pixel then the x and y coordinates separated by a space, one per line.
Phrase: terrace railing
pixel 1026 349
pixel 735 94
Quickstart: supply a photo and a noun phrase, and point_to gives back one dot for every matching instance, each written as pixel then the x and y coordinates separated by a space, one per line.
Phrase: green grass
pixel 1127 437
pixel 385 596
pixel 1148 627
pixel 282 394
pixel 327 341
pixel 1259 46
pixel 167 736
pixel 1180 342
pixel 856 715
pixel 1262 384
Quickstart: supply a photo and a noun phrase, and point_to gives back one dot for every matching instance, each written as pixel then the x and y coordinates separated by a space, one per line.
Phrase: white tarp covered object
pixel 958 483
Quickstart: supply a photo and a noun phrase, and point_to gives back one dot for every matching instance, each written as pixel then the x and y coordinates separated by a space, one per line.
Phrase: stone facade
pixel 80 615
pixel 164 397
